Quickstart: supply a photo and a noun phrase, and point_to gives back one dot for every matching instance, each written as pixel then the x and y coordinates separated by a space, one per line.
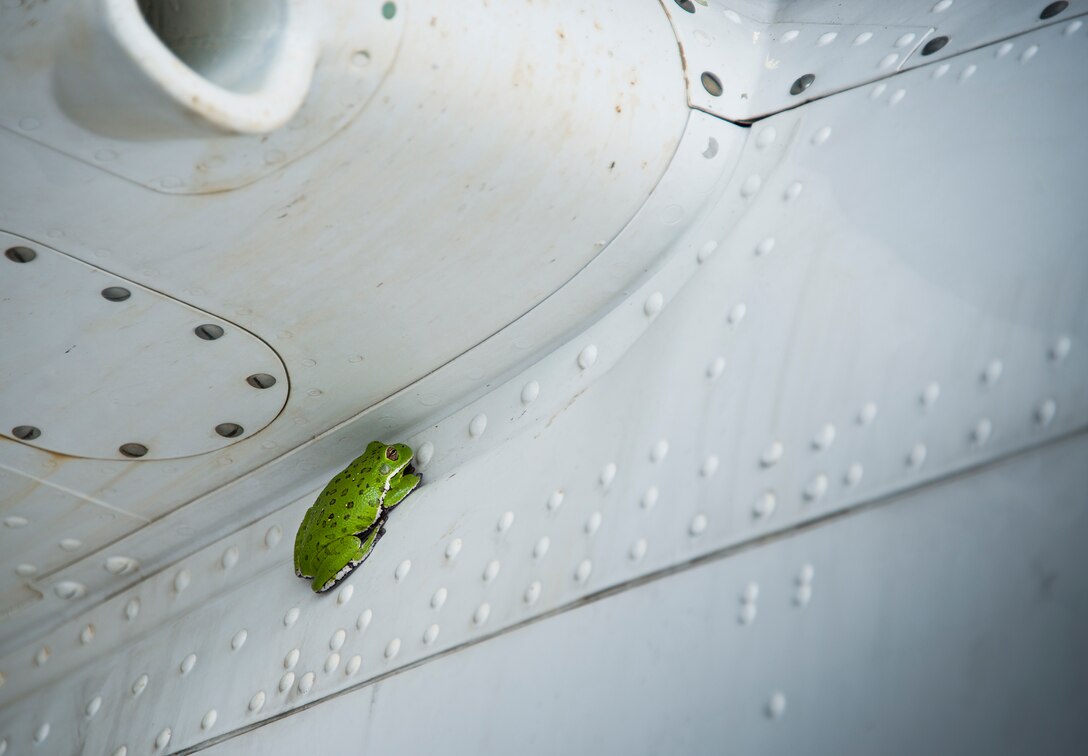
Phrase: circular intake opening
pixel 231 43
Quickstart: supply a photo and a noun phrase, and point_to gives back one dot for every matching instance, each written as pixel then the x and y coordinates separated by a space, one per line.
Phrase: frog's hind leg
pixel 331 568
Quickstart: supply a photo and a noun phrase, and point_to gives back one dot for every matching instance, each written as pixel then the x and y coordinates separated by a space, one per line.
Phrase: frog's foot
pixel 326 579
pixel 401 487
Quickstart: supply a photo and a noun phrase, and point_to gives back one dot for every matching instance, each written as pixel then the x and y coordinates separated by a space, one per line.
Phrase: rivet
pixel 69 589
pixel 806 574
pixel 751 185
pixel 776 707
pixel 238 640
pixel 751 593
pixel 86 635
pixel 766 136
pixel 765 246
pixel 93 706
pixel 208 331
pixel 230 557
pixel 257 702
pixel 653 305
pixel 208 721
pixel 934 45
pixel 789 35
pixel 765 504
pixel 392 648
pixel 541 547
pixel 737 313
pixel 816 487
pixel 715 369
pixel 659 450
pixel 706 251
pixel 187 664
pixel 291 659
pixel 992 374
pixel 1072 28
pixel 826 38
pixel 772 454
pixel 140 685
pixel 424 454
pixel 981 434
pixel 306 683
pixel 363 621
pixel 593 523
pixel 345 594
pixel 336 642
pixel 42 733
pixel 638 549
pixel 608 474
pixel 1004 50
pixel 587 357
pixel 132 609
pixel 181 580
pixel 877 91
pixel 649 498
pixel 555 500
pixel 698 524
pixel 867 414
pixel 353 665
pixel 802 83
pixel 453 549
pixel 286 681
pixel 1044 415
pixel 272 536
pixel 930 394
pixel 505 522
pixel 824 437
pixel 802 595
pixel 940 70
pixel 905 40
pixel 968 72
pixel 917 455
pixel 888 60
pixel 853 474
pixel 439 598
pixel 291 617
pixel 477 426
pixel 1061 349
pixel 70 544
pixel 530 392
pixel 121 751
pixel 793 191
pixel 1053 9
pixel 430 635
pixel 747 614
pixel 711 83
pixel 709 466
pixel 402 570
pixel 479 617
pixel 532 593
pixel 491 571
pixel 862 38
pixel 27 570
pixel 585 567
pixel 897 96
pixel 15 521
pixel 821 135
pixel 332 661
pixel 120 565
pixel 942 6
pixel 42 656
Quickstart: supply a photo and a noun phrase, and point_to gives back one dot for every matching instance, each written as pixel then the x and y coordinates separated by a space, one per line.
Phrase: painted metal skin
pixel 755 418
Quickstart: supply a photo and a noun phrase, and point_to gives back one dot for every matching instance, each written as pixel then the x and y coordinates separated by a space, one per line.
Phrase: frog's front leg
pixel 338 559
pixel 400 488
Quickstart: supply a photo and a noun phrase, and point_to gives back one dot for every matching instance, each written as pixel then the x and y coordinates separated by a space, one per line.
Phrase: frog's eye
pixel 391 453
